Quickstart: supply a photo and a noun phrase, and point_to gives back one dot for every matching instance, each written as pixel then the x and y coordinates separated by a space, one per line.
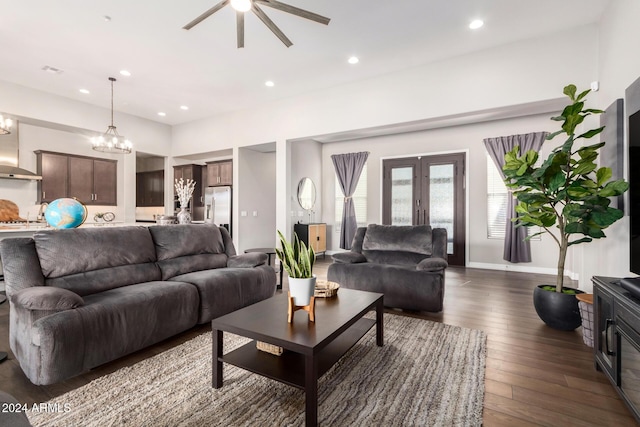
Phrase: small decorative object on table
pixel 184 192
pixel 298 261
pixel 326 289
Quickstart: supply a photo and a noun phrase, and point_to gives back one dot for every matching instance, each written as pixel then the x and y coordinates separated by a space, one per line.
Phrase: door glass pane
pixel 402 196
pixel 442 200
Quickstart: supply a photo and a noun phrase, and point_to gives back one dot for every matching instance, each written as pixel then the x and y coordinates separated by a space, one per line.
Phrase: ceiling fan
pixel 242 6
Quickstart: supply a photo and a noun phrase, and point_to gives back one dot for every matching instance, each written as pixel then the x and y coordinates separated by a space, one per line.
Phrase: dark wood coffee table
pixel 311 348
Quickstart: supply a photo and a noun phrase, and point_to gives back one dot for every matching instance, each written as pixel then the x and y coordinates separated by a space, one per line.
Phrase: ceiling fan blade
pixel 294 11
pixel 240 28
pixel 205 15
pixel 269 23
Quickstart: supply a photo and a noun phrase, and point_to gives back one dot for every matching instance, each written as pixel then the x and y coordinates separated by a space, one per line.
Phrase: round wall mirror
pixel 306 193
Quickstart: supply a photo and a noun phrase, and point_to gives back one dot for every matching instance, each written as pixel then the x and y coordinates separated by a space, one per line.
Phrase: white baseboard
pixel 521 268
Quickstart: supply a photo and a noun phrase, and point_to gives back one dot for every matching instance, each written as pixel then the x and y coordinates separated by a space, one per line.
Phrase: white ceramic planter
pixel 302 290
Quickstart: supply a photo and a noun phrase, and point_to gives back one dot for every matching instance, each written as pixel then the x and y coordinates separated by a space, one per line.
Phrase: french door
pixel 427 190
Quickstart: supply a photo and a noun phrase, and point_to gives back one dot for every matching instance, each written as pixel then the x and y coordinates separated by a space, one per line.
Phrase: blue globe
pixel 65 213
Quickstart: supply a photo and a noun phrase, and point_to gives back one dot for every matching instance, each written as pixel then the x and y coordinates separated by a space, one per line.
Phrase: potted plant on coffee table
pixel 298 261
pixel 568 198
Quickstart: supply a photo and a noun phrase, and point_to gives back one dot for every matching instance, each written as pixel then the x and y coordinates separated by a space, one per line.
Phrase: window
pixel 359 201
pixel 497 197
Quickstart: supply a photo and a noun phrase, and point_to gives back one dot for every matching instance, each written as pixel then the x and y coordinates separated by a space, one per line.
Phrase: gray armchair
pixel 405 263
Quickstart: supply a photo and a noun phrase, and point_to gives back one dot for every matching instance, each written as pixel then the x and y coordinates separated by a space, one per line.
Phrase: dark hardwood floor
pixel 534 375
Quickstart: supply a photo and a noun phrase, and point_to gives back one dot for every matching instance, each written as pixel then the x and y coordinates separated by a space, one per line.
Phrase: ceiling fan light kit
pixel 242 6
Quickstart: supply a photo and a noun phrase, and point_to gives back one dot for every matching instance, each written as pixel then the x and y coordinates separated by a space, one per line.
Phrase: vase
pixel 558 310
pixel 184 217
pixel 302 290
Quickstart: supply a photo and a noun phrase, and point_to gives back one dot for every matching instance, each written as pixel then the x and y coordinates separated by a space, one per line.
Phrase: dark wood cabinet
pixel 220 173
pixel 91 180
pixel 196 204
pixel 54 170
pixel 314 235
pixel 150 188
pixel 617 338
pixel 105 188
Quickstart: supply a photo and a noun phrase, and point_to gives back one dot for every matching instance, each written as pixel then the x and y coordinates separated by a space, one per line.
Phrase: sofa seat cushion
pixel 227 289
pixel 403 286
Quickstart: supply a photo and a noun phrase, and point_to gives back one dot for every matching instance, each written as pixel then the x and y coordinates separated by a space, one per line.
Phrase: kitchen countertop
pixel 32 228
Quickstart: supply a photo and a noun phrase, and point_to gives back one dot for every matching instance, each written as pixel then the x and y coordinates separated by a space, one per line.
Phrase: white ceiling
pixel 203 69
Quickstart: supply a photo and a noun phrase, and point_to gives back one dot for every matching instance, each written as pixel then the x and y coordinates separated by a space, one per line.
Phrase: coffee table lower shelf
pixel 289 368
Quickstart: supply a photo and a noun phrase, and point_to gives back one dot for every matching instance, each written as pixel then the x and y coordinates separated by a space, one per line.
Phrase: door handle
pixel 607 324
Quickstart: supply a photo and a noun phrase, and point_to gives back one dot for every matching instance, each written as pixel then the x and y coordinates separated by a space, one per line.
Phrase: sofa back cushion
pixel 392 244
pixel 186 248
pixel 91 260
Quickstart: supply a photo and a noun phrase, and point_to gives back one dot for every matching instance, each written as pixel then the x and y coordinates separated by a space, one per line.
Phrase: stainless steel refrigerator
pixel 217 206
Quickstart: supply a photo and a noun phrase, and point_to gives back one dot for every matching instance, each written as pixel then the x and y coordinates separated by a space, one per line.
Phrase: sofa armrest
pixel 432 264
pixel 46 298
pixel 249 260
pixel 348 258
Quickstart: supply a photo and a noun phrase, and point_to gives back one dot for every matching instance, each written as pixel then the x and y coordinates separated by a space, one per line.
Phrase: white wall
pixel 256 193
pixel 618 67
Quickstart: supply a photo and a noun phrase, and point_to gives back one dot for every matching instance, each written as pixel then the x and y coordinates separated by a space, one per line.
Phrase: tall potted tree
pixel 568 198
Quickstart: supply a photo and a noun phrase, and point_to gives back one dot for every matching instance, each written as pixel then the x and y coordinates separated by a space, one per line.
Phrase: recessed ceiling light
pixel 85 91
pixel 162 114
pixel 125 73
pixel 476 23
pixel 353 60
pixel 269 83
pixel 184 107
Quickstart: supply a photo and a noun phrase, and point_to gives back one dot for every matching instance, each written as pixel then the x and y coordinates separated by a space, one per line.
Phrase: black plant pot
pixel 558 310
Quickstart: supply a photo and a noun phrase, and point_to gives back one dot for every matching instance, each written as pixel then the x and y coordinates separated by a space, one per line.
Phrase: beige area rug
pixel 427 374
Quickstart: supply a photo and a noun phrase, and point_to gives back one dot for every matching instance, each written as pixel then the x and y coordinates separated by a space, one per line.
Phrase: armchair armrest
pixel 432 264
pixel 348 258
pixel 46 298
pixel 250 260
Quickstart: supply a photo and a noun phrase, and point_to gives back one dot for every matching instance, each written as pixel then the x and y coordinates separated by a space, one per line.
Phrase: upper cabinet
pixel 220 173
pixel 91 180
pixel 150 188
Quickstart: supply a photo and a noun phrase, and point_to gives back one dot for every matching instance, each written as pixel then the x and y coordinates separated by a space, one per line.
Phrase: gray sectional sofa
pixel 80 298
pixel 405 263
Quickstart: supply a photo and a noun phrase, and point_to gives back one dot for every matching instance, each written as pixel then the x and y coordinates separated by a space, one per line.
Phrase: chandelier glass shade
pixel 111 141
pixel 241 5
pixel 5 125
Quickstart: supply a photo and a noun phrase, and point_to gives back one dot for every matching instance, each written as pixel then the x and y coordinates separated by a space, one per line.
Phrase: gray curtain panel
pixel 516 249
pixel 348 169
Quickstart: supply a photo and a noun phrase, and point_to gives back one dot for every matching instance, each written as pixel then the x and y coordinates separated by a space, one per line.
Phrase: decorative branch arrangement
pixel 184 191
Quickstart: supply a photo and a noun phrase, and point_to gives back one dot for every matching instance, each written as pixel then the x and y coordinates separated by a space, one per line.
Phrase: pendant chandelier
pixel 111 141
pixel 5 125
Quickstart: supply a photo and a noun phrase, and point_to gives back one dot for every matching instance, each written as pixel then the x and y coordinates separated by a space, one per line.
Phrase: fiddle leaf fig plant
pixel 568 195
pixel 296 258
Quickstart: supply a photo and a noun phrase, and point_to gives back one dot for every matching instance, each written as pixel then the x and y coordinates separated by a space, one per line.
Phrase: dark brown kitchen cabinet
pixel 196 204
pixel 54 170
pixel 220 173
pixel 91 180
pixel 150 188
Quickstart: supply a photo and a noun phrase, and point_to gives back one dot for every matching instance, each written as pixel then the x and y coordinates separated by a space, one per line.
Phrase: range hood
pixel 9 157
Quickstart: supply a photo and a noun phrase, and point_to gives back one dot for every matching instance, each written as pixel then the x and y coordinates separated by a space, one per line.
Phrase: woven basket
pixel 325 289
pixel 269 348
